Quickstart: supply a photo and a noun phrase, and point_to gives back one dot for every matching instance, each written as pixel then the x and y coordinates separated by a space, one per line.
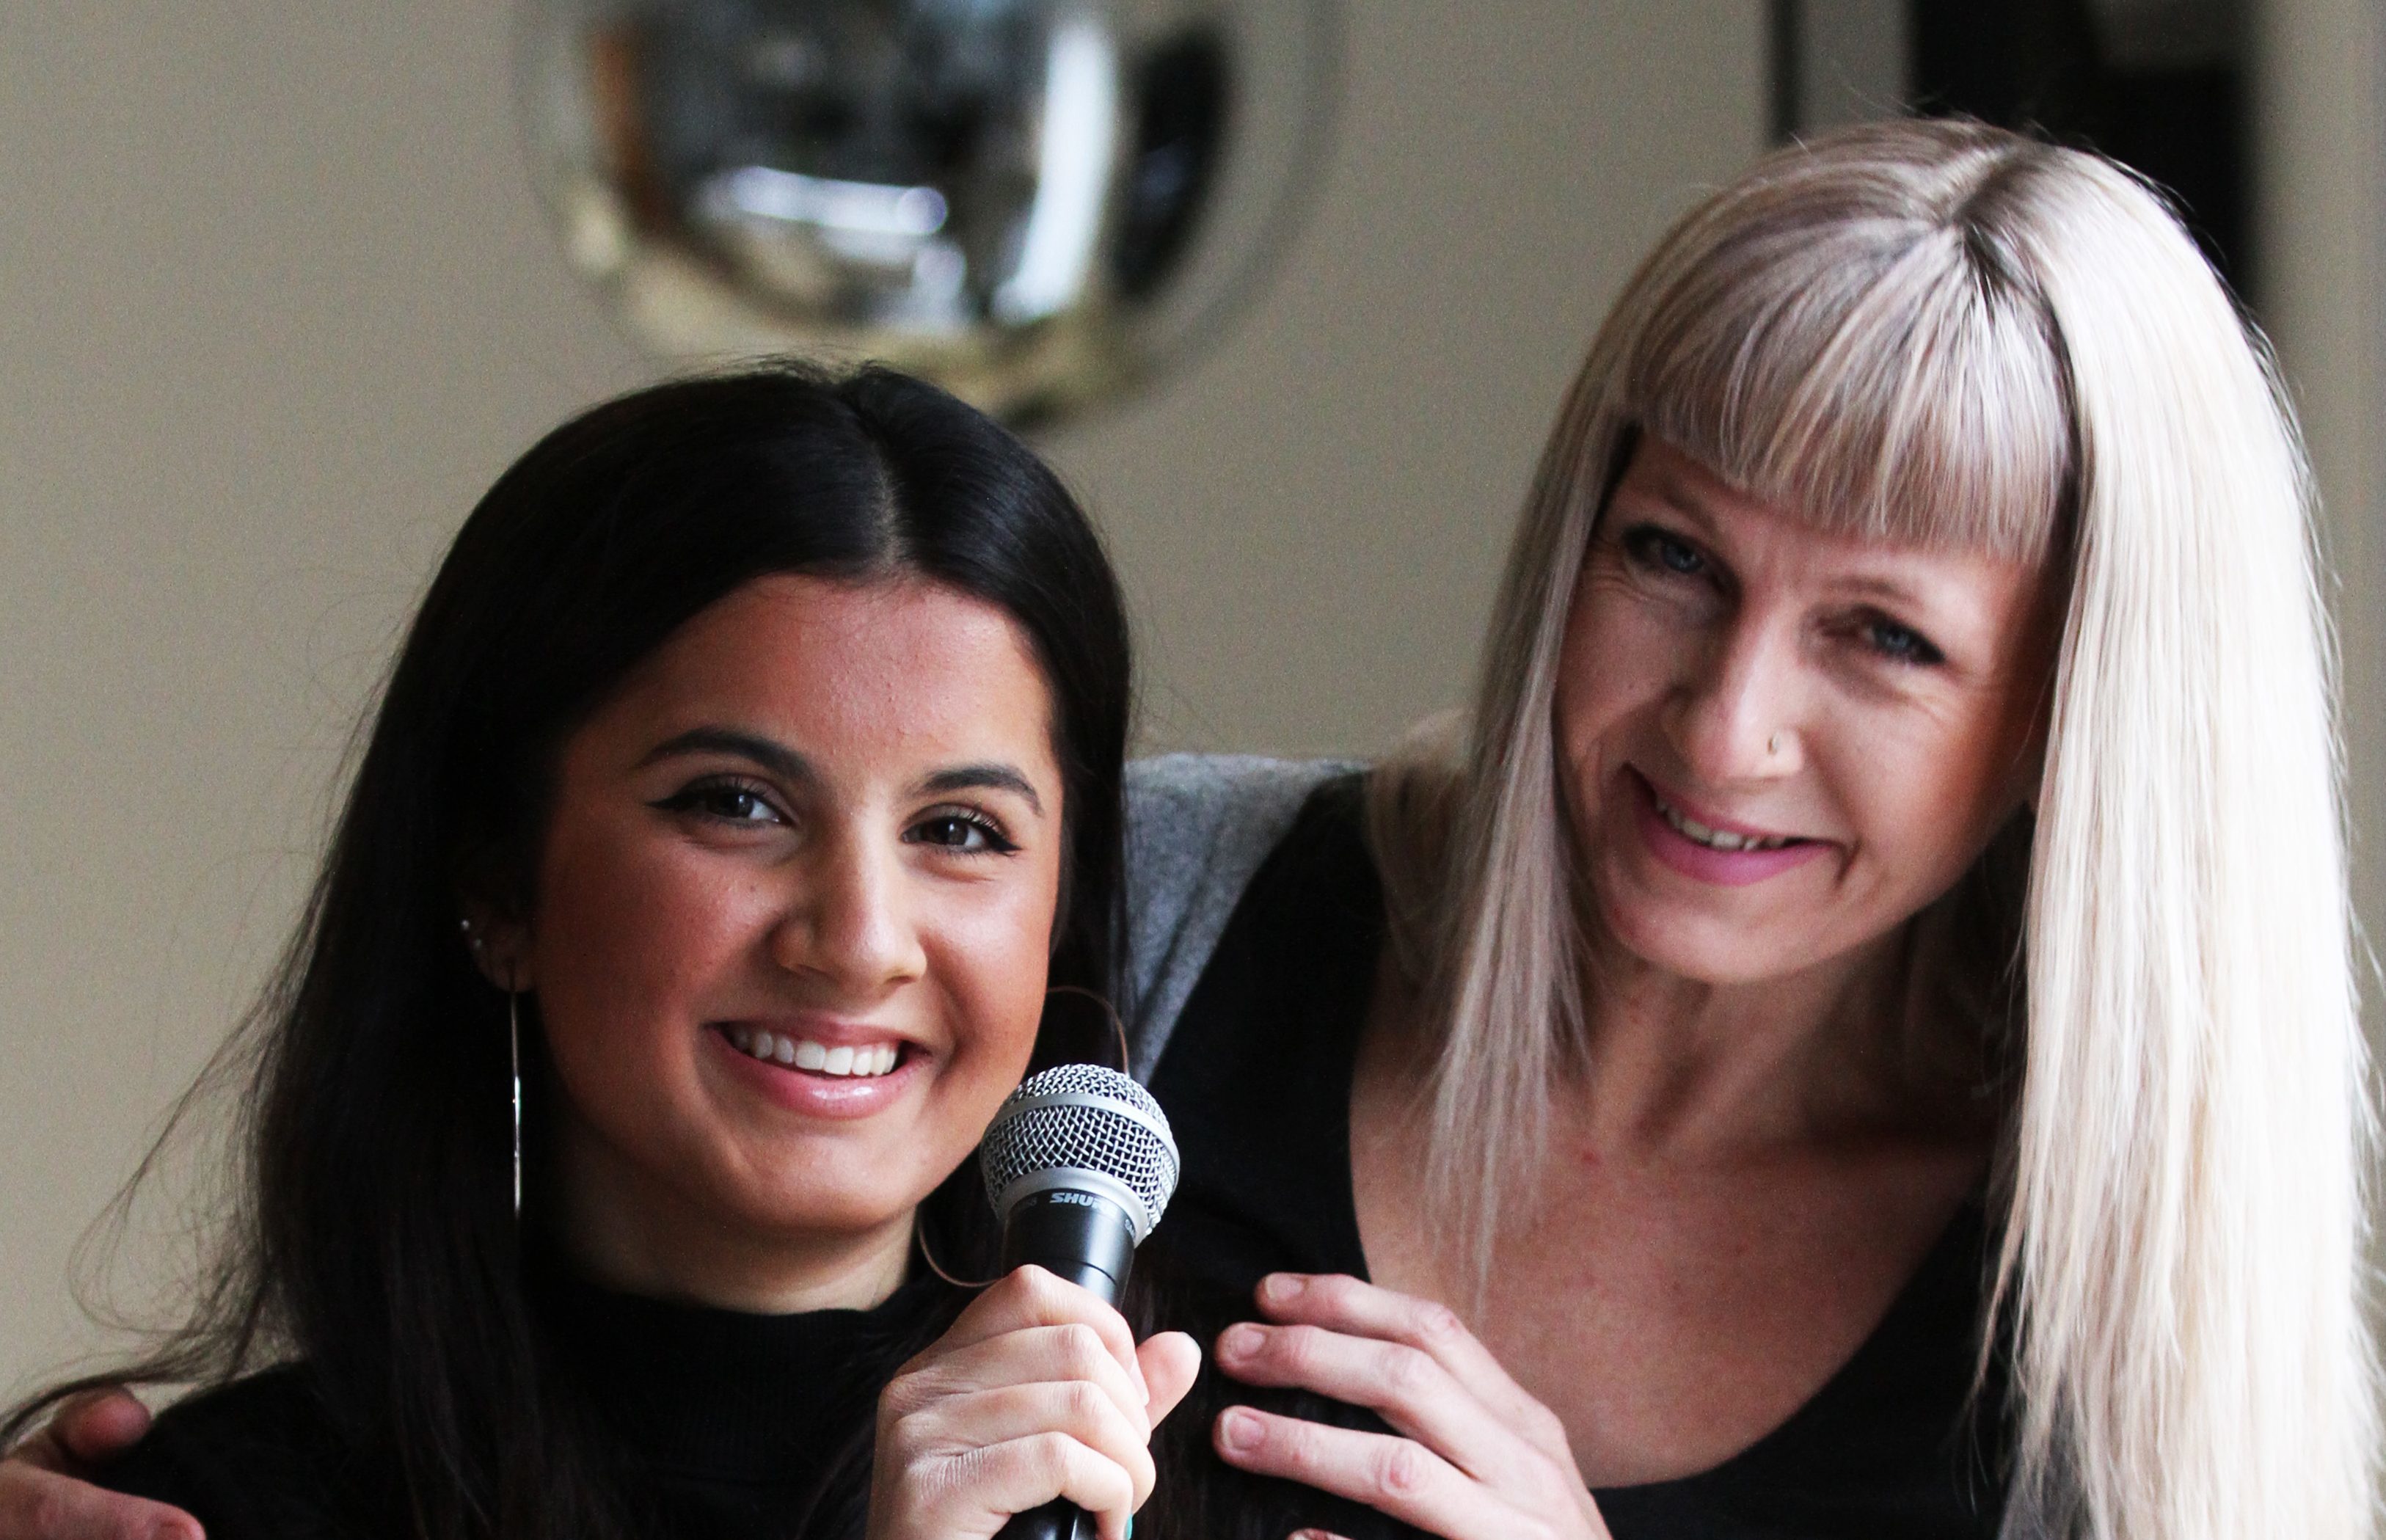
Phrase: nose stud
pixel 1773 744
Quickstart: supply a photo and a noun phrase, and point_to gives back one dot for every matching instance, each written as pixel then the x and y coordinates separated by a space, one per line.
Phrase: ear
pixel 499 944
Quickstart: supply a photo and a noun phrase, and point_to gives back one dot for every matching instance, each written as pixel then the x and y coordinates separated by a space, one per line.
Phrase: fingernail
pixel 1281 1286
pixel 1238 1430
pixel 1240 1341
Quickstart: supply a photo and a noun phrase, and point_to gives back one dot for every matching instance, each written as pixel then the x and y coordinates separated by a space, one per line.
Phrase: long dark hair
pixel 374 1237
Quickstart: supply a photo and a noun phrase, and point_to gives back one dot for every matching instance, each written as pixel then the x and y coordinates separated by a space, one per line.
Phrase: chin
pixel 828 1208
pixel 1698 945
pixel 840 1184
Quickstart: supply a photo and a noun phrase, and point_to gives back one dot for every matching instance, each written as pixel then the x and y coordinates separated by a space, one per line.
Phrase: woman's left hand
pixel 1475 1458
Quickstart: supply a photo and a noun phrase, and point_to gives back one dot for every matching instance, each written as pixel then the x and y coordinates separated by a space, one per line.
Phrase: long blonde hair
pixel 1945 334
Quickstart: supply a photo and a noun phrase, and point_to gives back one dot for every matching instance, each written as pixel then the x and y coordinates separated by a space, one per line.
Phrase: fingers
pixel 1027 1473
pixel 1170 1361
pixel 1406 1386
pixel 1481 1457
pixel 1031 1297
pixel 1394 1476
pixel 1037 1392
pixel 1343 1304
pixel 98 1425
pixel 1018 1414
pixel 40 1500
pixel 42 1505
pixel 1029 1355
pixel 42 1451
pixel 975 1492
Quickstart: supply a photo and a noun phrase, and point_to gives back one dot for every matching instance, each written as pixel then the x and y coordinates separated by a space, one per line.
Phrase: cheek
pixel 1618 660
pixel 1928 796
pixel 631 933
pixel 990 945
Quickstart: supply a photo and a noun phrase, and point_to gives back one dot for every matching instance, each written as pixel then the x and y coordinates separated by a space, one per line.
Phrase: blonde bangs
pixel 1889 377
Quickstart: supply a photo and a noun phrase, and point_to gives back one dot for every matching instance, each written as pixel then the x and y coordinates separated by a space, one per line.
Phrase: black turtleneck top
pixel 718 1425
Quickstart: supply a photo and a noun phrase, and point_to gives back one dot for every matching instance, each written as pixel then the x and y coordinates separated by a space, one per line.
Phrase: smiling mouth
pixel 844 1062
pixel 1716 839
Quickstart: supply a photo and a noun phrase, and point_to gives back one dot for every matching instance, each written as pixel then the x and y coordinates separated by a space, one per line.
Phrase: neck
pixel 629 1237
pixel 1683 1069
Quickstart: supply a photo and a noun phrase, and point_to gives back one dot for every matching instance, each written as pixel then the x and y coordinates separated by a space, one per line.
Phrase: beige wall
pixel 275 304
pixel 2322 132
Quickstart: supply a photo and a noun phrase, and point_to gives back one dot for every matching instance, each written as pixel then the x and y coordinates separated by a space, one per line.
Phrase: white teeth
pixel 818 1057
pixel 1718 839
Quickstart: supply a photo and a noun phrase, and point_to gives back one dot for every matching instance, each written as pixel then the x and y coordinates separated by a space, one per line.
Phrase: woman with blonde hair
pixel 1861 1029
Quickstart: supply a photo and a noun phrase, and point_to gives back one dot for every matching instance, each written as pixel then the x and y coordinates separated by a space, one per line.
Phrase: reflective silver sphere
pixel 1033 202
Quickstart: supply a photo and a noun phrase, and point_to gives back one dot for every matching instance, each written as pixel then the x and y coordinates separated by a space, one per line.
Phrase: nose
pixel 1735 714
pixel 852 926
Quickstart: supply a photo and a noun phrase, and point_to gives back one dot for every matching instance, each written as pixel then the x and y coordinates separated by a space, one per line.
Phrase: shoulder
pixel 255 1457
pixel 1192 812
pixel 1199 826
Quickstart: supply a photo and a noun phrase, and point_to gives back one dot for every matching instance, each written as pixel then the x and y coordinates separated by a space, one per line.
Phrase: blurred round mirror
pixel 1034 202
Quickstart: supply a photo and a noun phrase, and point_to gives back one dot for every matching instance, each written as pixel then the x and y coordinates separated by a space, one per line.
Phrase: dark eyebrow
pixel 778 758
pixel 787 765
pixel 963 777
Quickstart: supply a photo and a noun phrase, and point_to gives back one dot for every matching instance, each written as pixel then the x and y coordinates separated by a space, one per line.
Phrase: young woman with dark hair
pixel 748 778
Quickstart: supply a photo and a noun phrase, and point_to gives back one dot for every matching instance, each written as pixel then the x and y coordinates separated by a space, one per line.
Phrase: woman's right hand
pixel 1037 1392
pixel 42 1499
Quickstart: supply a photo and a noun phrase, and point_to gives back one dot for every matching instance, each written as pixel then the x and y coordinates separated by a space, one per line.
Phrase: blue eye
pixel 1656 550
pixel 967 833
pixel 1900 644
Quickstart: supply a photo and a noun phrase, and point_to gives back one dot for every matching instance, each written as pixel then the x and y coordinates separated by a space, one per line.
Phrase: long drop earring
pixel 513 1044
pixel 513 1051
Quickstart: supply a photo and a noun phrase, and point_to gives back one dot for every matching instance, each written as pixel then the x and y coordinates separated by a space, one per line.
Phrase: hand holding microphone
pixel 1032 1418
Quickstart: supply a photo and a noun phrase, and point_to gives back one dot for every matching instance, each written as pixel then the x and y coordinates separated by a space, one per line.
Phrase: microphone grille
pixel 1081 1117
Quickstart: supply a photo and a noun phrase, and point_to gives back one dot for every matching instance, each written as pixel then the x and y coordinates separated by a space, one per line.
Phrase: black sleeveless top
pixel 1256 1080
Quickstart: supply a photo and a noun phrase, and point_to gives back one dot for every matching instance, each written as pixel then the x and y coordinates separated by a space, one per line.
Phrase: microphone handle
pixel 1084 1239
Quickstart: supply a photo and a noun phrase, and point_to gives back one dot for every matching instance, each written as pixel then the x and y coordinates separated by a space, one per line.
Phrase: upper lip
pixel 1699 813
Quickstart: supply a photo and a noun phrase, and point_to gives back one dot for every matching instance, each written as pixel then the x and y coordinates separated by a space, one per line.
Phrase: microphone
pixel 1079 1164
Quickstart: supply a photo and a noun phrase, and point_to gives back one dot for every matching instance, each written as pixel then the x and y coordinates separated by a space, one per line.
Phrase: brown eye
pixel 726 801
pixel 966 833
